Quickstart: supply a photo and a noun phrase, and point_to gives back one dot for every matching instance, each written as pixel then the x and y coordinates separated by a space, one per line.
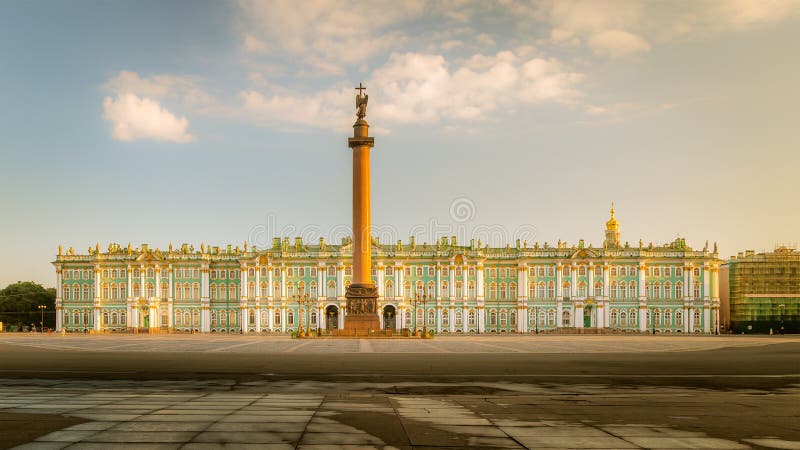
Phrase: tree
pixel 19 304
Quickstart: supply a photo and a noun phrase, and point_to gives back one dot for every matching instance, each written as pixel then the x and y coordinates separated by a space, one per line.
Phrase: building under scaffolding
pixel 764 291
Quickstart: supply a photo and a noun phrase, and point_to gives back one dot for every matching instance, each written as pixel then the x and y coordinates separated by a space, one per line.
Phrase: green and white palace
pixel 446 287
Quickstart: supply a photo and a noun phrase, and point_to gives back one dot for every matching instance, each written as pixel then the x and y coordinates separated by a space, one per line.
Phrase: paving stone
pixel 247 437
pixel 687 443
pixel 112 436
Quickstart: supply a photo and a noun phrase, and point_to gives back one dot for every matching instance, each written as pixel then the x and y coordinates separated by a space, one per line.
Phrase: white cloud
pixel 254 45
pixel 134 118
pixel 617 43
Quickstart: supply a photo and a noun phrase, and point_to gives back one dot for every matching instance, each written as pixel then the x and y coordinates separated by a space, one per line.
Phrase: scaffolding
pixel 765 290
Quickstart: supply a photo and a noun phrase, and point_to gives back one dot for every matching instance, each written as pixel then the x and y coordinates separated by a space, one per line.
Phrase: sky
pixel 223 122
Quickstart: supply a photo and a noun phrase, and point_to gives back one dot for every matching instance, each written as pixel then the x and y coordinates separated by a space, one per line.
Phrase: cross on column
pixel 360 88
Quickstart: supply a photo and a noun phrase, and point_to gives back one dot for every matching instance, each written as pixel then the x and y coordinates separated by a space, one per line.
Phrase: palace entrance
pixel 587 316
pixel 389 317
pixel 331 318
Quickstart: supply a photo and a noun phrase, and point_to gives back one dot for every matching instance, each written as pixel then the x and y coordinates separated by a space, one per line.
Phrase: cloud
pixel 134 118
pixel 617 43
pixel 254 45
pixel 417 88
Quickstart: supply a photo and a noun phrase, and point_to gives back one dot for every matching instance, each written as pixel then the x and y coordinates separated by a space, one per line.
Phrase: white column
pixel 452 317
pixel 706 282
pixel 96 305
pixel 642 316
pixel 685 318
pixel 59 301
pixel 479 291
pixel 381 288
pixel 559 312
pixel 129 286
pixel 342 313
pixel 398 282
pixel 687 270
pixel 205 303
pixel 451 291
pixel 559 294
pixel 340 285
pixel 706 318
pixel 321 286
pixel 642 281
pixel 578 322
pixel 600 314
pixel 153 316
pixel 271 317
pixel 465 318
pixel 481 319
pixel 438 316
pixel 606 281
pixel 142 289
pixel 464 284
pixel 283 315
pixel 437 290
pixel 170 297
pixel 129 322
pixel 691 283
pixel 573 270
pixel 170 315
pixel 283 286
pixel 158 282
pixel 270 292
pixel 590 283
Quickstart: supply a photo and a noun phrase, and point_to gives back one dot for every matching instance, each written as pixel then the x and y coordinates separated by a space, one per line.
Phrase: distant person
pixel 782 330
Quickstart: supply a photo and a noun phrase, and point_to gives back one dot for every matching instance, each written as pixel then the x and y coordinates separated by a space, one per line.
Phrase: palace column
pixel 129 319
pixel 340 281
pixel 321 285
pixel 59 300
pixel 170 303
pixel 522 298
pixel 96 303
pixel 480 293
pixel 559 298
pixel 438 296
pixel 244 316
pixel 381 287
pixel 283 282
pixel 259 297
pixel 706 299
pixel 715 299
pixel 205 302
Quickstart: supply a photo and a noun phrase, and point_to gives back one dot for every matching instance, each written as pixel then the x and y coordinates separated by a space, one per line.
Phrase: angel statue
pixel 361 102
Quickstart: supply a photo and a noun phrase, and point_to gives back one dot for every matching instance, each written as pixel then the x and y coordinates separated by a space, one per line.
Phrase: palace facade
pixel 446 287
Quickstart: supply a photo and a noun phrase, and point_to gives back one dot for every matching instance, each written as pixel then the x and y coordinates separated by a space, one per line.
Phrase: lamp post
pixel 414 302
pixel 536 318
pixel 781 307
pixel 42 308
pixel 305 301
pixel 425 315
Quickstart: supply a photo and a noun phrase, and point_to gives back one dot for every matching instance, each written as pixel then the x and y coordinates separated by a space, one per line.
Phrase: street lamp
pixel 536 318
pixel 306 301
pixel 414 302
pixel 43 307
pixel 425 315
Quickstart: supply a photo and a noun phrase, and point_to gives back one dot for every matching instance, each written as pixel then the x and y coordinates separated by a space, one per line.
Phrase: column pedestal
pixel 362 303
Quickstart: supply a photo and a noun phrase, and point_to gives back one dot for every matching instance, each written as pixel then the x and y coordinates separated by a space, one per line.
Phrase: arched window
pixel 551 290
pixel 407 289
pixel 312 289
pixel 251 317
pixel 632 290
pixel 503 318
pixel 431 289
pixel 114 320
pixel 598 289
pixel 290 318
pixel 632 317
pixel 678 290
pixel 551 317
pixel 150 273
pixel 420 288
pixel 445 289
pixel 164 290
pixel 65 292
pixel 493 318
pixel 581 271
pixel 581 289
pixel 389 290
pixel 623 290
pixel 276 289
pixel 445 317
pixel 187 291
pixel 668 318
pixel 613 289
pixel 251 288
pixel 623 319
pixel 512 290
pixel 657 289
pixel 106 294
pixel 179 291
pixel 431 317
pixel 492 291
pixel 679 318
pixel 565 318
pixel 232 294
pixel 565 289
pixel 471 289
pixel 667 290
pixel 105 318
pixel 264 292
pixel 301 288
pixel 76 292
pixel 613 271
pixel 696 318
pixel 614 317
pixel 459 290
pixel 503 291
pixel 151 292
pixel 471 318
pixel 512 318
pixel 532 290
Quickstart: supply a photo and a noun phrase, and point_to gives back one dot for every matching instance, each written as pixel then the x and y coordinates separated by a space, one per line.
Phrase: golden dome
pixel 612 223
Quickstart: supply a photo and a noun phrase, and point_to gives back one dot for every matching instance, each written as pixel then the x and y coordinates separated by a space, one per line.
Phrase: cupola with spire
pixel 612 231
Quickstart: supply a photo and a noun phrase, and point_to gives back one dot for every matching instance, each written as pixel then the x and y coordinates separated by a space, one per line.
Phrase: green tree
pixel 19 304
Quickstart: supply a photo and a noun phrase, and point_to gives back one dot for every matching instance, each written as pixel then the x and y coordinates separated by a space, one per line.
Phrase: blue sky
pixel 221 122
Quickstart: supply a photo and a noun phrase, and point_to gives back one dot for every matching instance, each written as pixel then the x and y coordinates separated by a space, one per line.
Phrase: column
pixel 479 291
pixel 158 282
pixel 96 303
pixel 142 289
pixel 706 317
pixel 154 316
pixel 452 314
pixel 129 319
pixel 283 285
pixel 578 322
pixel 642 281
pixel 170 315
pixel 452 284
pixel 171 319
pixel 59 300
pixel 600 314
pixel 321 286
pixel 559 312
pixel 642 316
pixel 270 292
pixel 259 298
pixel 340 286
pixel 464 284
pixel 706 284
pixel 606 281
pixel 342 313
pixel 437 290
pixel 205 303
pixel 481 319
pixel 573 269
pixel 244 315
pixel 271 317
pixel 381 286
pixel 465 318
pixel 706 299
pixel 438 314
pixel 283 314
pixel 559 294
pixel 687 271
pixel 685 317
pixel 590 283
pixel 690 283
